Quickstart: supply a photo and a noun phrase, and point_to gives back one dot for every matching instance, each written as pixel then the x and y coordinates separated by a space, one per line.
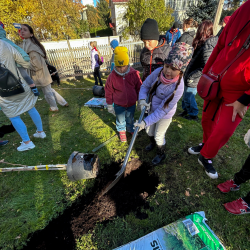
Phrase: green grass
pixel 29 200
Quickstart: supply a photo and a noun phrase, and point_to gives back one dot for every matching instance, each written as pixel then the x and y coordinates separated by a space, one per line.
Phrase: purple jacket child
pixel 163 92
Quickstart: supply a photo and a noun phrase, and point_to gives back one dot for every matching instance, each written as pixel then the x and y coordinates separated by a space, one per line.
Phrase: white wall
pixel 79 42
pixel 120 11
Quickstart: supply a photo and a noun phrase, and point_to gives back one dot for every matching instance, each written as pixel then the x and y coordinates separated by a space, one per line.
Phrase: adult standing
pixel 155 50
pixel 15 105
pixel 173 34
pixel 222 115
pixel 203 45
pixel 95 56
pixel 189 31
pixel 39 71
pixel 224 23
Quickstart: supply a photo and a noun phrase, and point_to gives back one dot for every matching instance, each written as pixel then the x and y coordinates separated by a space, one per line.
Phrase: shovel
pixel 80 166
pixel 121 172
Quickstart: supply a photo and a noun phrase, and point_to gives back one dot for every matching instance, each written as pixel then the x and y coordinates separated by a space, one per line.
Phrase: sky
pixel 85 2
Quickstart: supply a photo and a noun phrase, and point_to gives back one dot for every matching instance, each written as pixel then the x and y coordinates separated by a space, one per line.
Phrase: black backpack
pixel 9 84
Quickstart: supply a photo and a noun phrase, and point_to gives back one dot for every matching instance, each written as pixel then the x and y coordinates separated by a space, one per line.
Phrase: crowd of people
pixel 173 66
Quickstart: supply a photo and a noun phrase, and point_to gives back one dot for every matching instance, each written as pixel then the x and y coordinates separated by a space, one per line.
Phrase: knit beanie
pixel 114 43
pixel 149 30
pixel 180 56
pixel 175 25
pixel 226 19
pixel 121 57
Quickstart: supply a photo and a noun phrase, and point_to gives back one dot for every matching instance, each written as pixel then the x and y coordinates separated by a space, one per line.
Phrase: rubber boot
pixel 160 155
pixel 152 145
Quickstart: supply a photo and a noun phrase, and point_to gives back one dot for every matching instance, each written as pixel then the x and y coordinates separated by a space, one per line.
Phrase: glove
pixel 35 91
pixel 111 109
pixel 141 104
pixel 141 125
pixel 247 138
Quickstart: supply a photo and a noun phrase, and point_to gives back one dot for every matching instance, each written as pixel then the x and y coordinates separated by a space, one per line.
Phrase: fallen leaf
pixel 189 188
pixel 53 115
pixel 94 143
pixel 197 195
pixel 187 171
pixel 18 237
pixel 157 202
pixel 187 193
pixel 227 146
pixel 203 192
pixel 179 125
pixel 180 164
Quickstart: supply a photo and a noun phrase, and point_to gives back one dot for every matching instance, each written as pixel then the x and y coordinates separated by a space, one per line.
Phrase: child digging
pixel 165 87
pixel 122 88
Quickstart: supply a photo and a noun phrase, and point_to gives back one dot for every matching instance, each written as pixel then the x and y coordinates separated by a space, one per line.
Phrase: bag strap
pixel 242 50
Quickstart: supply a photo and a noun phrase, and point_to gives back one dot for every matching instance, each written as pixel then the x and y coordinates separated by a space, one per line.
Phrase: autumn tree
pixel 103 12
pixel 92 16
pixel 139 10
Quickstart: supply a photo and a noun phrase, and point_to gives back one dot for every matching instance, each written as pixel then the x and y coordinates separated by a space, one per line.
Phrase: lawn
pixel 30 200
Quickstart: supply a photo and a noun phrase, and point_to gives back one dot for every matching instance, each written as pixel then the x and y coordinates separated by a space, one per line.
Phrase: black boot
pixel 183 113
pixel 151 146
pixel 160 155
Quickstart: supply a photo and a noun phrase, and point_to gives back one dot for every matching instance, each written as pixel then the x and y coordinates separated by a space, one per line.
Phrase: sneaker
pixel 183 113
pixel 39 135
pixel 2 143
pixel 195 150
pixel 66 105
pixel 53 109
pixel 123 136
pixel 228 186
pixel 237 207
pixel 209 168
pixel 191 117
pixel 25 147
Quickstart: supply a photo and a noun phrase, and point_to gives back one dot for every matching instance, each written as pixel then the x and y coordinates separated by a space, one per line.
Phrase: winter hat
pixel 121 56
pixel 226 19
pixel 114 43
pixel 149 30
pixel 175 25
pixel 1 24
pixel 180 56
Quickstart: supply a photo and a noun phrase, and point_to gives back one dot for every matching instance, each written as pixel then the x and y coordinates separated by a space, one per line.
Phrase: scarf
pixel 168 81
pixel 94 49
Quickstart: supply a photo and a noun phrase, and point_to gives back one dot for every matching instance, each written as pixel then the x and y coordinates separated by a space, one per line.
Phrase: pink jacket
pixel 123 91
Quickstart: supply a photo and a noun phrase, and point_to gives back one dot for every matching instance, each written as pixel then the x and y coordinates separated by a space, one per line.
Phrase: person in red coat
pixel 121 92
pixel 222 115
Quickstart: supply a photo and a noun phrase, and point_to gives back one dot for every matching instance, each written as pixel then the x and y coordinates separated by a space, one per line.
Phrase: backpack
pixel 100 60
pixel 9 84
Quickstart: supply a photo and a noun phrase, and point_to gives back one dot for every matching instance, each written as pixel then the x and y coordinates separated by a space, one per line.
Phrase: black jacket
pixel 187 37
pixel 200 57
pixel 151 60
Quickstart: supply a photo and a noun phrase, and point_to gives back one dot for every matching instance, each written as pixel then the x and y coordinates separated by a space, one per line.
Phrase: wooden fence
pixel 77 61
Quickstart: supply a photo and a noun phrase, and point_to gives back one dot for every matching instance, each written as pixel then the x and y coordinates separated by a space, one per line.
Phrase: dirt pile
pixel 129 194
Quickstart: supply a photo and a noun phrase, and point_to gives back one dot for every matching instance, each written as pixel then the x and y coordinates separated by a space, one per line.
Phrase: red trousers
pixel 216 133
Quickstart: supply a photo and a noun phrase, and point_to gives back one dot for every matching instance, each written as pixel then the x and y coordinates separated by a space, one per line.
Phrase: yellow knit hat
pixel 121 56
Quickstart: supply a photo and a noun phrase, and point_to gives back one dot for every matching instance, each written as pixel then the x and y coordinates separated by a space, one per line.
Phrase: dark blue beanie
pixel 114 43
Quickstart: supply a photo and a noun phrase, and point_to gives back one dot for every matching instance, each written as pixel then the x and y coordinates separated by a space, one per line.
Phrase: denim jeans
pixel 21 128
pixel 124 118
pixel 97 75
pixel 188 101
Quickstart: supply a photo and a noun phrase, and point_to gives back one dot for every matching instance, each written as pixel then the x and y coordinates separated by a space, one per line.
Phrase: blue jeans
pixel 124 118
pixel 21 127
pixel 188 101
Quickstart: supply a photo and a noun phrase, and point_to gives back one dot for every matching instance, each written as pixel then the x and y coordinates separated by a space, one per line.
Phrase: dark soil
pixel 129 194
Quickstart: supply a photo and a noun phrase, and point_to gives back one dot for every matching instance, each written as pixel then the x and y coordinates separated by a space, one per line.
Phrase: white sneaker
pixel 39 135
pixel 25 147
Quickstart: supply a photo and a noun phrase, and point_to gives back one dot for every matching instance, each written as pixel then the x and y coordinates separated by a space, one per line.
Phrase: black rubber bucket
pixel 82 166
pixel 98 91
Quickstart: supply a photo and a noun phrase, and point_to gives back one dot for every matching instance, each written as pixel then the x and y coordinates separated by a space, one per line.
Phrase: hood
pixel 29 46
pixel 191 32
pixel 212 41
pixel 2 32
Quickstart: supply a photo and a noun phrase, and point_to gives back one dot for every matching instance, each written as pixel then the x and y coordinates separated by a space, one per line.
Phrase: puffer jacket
pixel 38 71
pixel 123 90
pixel 187 36
pixel 163 92
pixel 172 37
pixel 151 60
pixel 200 57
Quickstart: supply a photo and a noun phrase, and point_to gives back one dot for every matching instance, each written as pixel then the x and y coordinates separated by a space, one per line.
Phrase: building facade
pixel 88 2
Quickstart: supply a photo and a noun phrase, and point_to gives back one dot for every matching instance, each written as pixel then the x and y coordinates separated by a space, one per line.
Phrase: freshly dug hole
pixel 129 194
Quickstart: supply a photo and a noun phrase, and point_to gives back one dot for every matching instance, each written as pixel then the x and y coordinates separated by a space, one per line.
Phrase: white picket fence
pixel 77 61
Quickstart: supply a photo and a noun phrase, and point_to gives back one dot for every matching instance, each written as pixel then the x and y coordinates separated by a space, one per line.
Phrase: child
pixel 155 50
pixel 173 34
pixel 122 88
pixel 165 87
pixel 95 55
pixel 26 58
pixel 114 43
